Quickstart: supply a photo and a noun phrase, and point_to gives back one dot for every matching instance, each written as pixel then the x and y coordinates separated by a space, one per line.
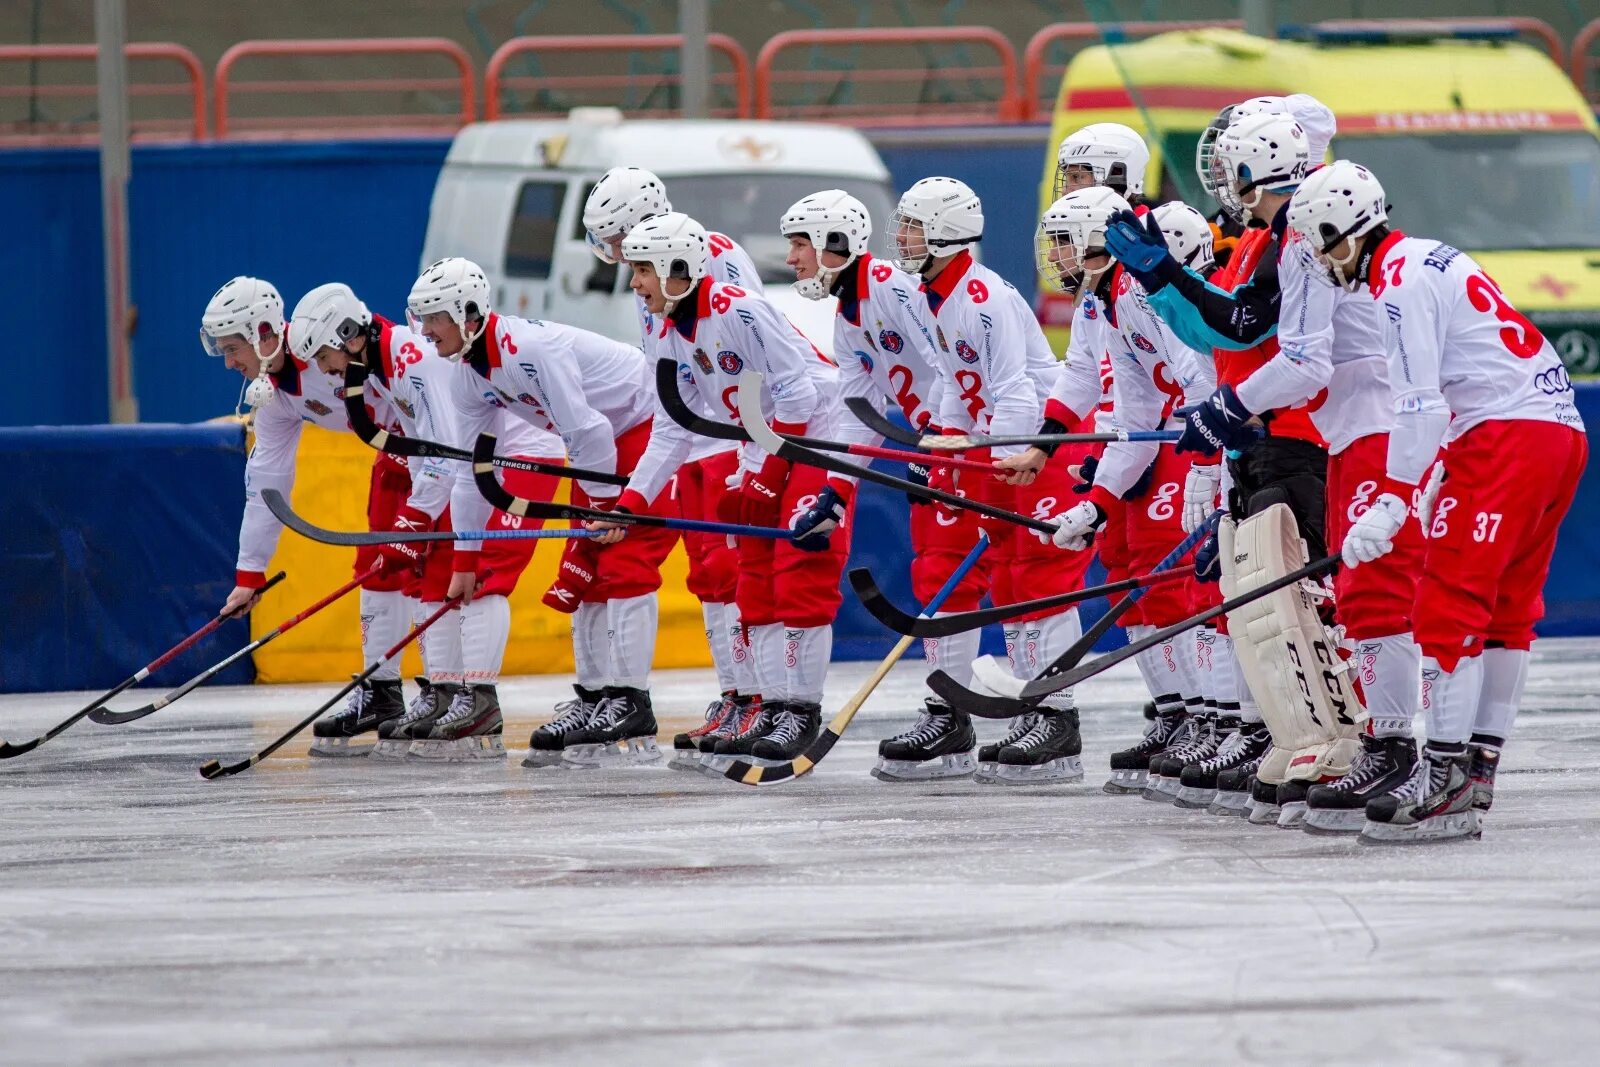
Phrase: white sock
pixel 1186 654
pixel 591 658
pixel 441 645
pixel 385 619
pixel 1158 670
pixel 810 649
pixel 631 632
pixel 1224 679
pixel 766 654
pixel 1014 653
pixel 1505 672
pixel 1054 635
pixel 1450 700
pixel 1248 709
pixel 953 654
pixel 717 639
pixel 485 628
pixel 740 652
pixel 1390 669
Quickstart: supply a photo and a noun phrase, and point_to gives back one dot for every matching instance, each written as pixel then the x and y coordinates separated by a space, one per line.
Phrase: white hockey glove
pixel 1200 494
pixel 1075 527
pixel 1428 498
pixel 1372 535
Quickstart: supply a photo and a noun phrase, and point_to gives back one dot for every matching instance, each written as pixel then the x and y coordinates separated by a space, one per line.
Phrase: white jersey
pixel 885 348
pixel 1084 382
pixel 997 364
pixel 1459 353
pixel 714 335
pixel 1330 354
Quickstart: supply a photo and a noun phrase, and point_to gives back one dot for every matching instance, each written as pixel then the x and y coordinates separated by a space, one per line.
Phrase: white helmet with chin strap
pixel 457 287
pixel 1114 153
pixel 1341 200
pixel 1078 219
pixel 833 221
pixel 329 316
pixel 1205 152
pixel 1259 153
pixel 619 201
pixel 1188 234
pixel 252 309
pixel 675 246
pixel 948 215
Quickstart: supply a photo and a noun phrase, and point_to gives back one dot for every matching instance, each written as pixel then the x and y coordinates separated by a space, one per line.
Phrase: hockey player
pixel 243 325
pixel 622 199
pixel 999 371
pixel 885 351
pixel 1466 368
pixel 787 596
pixel 595 393
pixel 332 328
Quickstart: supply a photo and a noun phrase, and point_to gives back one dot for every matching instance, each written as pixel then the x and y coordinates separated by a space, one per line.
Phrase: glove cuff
pixel 250 579
pixel 464 562
pixel 632 501
pixel 1102 498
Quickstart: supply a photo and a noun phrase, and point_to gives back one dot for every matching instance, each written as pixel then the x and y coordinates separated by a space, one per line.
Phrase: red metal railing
pixel 193 86
pixel 1037 106
pixel 496 82
pixel 1583 63
pixel 464 84
pixel 1001 106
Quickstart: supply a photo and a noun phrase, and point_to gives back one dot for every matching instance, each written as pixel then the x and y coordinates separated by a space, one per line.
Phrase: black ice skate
pixel 395 735
pixel 1197 782
pixel 1340 807
pixel 754 721
pixel 938 745
pixel 794 727
pixel 1130 768
pixel 1485 761
pixel 547 742
pixel 989 755
pixel 470 728
pixel 370 705
pixel 1434 804
pixel 1263 808
pixel 1048 754
pixel 622 733
pixel 686 746
pixel 1235 783
pixel 1197 740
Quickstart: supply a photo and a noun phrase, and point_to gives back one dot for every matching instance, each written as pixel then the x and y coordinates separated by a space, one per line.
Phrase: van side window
pixel 531 244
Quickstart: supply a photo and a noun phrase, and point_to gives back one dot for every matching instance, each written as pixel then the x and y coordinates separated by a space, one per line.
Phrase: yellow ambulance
pixel 1481 141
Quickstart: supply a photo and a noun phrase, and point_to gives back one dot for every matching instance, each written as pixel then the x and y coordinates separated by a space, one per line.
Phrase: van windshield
pixel 1489 192
pixel 748 207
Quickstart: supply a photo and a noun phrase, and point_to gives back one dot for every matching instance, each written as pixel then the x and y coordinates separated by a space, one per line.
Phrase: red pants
pixel 506 558
pixel 632 566
pixel 781 583
pixel 940 539
pixel 1024 565
pixel 387 492
pixel 1374 599
pixel 713 560
pixel 1154 527
pixel 1508 486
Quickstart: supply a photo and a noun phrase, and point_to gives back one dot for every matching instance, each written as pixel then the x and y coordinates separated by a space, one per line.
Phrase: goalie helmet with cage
pixel 329 316
pixel 459 288
pixel 1339 201
pixel 833 221
pixel 1113 153
pixel 1188 233
pixel 675 246
pixel 935 217
pixel 244 307
pixel 1072 229
pixel 1205 151
pixel 619 201
pixel 1259 153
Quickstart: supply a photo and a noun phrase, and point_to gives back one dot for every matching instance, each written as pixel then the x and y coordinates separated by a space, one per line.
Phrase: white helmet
pixel 832 221
pixel 619 201
pixel 1078 219
pixel 455 286
pixel 329 316
pixel 1114 153
pixel 1341 200
pixel 245 307
pixel 948 214
pixel 1263 152
pixel 1205 151
pixel 1188 234
pixel 675 245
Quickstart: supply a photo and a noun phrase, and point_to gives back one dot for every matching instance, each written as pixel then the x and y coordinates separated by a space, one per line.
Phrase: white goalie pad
pixel 1287 655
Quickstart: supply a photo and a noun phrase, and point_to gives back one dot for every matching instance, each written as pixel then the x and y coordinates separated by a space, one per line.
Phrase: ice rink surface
pixel 343 912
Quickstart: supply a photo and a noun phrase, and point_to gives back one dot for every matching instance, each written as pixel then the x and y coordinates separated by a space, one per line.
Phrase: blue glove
pixel 1221 422
pixel 1086 469
pixel 1206 562
pixel 917 474
pixel 826 515
pixel 1141 248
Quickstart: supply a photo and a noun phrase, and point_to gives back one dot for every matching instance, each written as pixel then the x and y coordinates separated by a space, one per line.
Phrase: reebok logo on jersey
pixel 403 523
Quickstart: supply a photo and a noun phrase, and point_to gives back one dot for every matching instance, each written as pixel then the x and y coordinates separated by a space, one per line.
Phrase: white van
pixel 511 197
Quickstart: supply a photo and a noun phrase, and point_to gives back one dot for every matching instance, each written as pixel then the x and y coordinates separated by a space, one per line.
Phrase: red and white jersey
pixel 716 333
pixel 997 364
pixel 1330 357
pixel 1459 353
pixel 884 346
pixel 1084 382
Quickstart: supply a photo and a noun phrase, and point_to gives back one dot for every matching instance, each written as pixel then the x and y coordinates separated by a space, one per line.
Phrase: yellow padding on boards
pixel 331 491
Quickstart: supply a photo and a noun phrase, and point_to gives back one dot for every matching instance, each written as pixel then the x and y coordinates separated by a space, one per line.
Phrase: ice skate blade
pixel 951 765
pixel 628 752
pixel 985 772
pixel 1126 782
pixel 542 757
pixel 1457 826
pixel 1230 804
pixel 1155 789
pixel 342 747
pixel 1292 815
pixel 685 759
pixel 1064 770
pixel 1334 821
pixel 1262 814
pixel 460 750
pixel 1194 797
pixel 392 750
